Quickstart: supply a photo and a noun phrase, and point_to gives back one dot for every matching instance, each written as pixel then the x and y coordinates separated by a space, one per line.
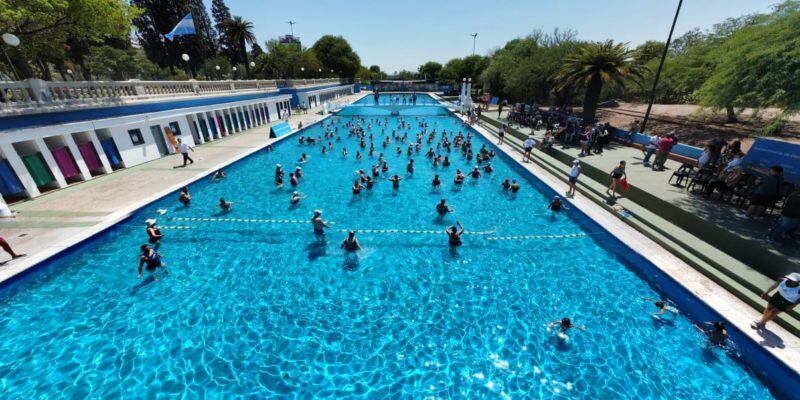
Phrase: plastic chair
pixel 702 178
pixel 682 173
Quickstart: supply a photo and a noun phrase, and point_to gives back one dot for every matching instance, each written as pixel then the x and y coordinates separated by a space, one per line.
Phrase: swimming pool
pixel 255 306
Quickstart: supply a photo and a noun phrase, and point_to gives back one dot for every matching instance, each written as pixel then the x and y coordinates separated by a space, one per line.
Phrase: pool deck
pixel 59 219
pixel 778 341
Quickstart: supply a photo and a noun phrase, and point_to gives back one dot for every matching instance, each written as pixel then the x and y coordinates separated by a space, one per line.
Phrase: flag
pixel 184 27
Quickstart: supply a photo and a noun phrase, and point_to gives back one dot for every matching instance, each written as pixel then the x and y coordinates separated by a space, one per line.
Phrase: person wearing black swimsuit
pixel 454 234
pixel 350 243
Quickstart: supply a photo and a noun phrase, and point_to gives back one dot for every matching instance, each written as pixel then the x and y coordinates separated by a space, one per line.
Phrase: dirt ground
pixel 695 125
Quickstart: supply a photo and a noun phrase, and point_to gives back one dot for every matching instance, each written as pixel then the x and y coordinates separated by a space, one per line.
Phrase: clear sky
pixel 402 34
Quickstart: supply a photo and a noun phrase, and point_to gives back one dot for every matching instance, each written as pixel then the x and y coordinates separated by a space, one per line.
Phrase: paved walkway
pixel 51 222
pixel 722 214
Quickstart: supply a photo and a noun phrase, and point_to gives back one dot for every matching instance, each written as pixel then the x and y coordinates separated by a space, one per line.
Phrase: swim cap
pixel 150 222
pixel 317 212
pixel 278 165
pixel 295 193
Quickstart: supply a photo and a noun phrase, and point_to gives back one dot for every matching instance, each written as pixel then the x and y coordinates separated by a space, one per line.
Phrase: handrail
pixel 16 96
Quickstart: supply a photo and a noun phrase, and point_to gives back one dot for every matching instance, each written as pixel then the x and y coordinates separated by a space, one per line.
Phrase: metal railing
pixel 36 94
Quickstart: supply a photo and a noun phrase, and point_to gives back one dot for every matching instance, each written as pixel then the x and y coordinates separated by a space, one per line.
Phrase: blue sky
pixel 402 34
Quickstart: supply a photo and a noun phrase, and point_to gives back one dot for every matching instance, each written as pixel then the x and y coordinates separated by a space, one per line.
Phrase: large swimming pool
pixel 256 306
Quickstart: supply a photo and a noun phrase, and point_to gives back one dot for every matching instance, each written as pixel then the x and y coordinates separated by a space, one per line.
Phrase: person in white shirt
pixel 737 161
pixel 184 149
pixel 785 299
pixel 528 146
pixel 574 173
pixel 650 149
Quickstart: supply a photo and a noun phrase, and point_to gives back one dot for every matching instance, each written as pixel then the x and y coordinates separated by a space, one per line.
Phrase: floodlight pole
pixel 291 26
pixel 660 66
pixel 474 36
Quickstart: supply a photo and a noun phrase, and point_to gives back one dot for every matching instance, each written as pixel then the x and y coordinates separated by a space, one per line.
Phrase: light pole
pixel 185 58
pixel 474 36
pixel 302 72
pixel 234 73
pixel 252 65
pixel 291 26
pixel 12 41
pixel 660 66
pixel 69 72
pixel 216 67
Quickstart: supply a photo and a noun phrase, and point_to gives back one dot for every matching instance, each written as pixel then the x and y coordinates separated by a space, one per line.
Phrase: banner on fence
pixel 766 153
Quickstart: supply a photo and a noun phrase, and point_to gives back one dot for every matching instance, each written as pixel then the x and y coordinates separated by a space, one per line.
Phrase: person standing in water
pixel 151 259
pixel 185 198
pixel 395 179
pixel 318 223
pixel 350 243
pixel 443 208
pixel 454 234
pixel 154 235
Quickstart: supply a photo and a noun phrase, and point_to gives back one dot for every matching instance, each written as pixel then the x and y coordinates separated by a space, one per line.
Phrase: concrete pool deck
pixel 50 223
pixel 781 343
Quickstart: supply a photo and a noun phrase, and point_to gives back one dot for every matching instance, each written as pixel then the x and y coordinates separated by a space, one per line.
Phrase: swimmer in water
pixel 488 168
pixel 410 166
pixel 662 306
pixel 302 158
pixel 506 184
pixel 565 324
pixel 224 205
pixel 220 174
pixel 151 259
pixel 556 205
pixel 395 179
pixel 185 198
pixel 154 235
pixel 446 162
pixel 296 197
pixel 476 173
pixel 357 187
pixel 436 181
pixel 718 335
pixel 443 208
pixel 350 243
pixel 293 179
pixel 514 186
pixel 454 234
pixel 459 179
pixel 298 172
pixel 318 223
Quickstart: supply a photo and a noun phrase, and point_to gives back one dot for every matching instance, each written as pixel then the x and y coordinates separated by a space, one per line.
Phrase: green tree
pixel 335 53
pixel 240 32
pixel 221 14
pixel 41 24
pixel 649 50
pixel 209 68
pixel 118 64
pixel 593 66
pixel 430 70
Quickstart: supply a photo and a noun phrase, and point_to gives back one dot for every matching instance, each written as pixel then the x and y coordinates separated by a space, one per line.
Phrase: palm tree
pixel 594 65
pixel 240 32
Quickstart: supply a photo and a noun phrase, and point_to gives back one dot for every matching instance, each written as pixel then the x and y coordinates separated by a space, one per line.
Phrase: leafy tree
pixel 430 70
pixel 405 75
pixel 335 53
pixel 159 17
pixel 649 50
pixel 221 14
pixel 42 25
pixel 468 67
pixel 758 64
pixel 240 32
pixel 286 61
pixel 204 28
pixel 255 50
pixel 209 68
pixel 118 64
pixel 594 65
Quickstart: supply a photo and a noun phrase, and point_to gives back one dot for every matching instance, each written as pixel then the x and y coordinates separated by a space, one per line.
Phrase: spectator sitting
pixel 765 193
pixel 705 157
pixel 724 182
pixel 548 142
pixel 735 162
pixel 789 219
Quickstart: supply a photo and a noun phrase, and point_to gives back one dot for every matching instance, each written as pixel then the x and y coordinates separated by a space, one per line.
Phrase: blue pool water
pixel 255 306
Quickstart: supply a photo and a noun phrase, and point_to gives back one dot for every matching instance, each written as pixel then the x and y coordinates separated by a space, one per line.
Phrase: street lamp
pixel 474 36
pixel 216 67
pixel 185 58
pixel 302 72
pixel 69 72
pixel 12 41
pixel 234 73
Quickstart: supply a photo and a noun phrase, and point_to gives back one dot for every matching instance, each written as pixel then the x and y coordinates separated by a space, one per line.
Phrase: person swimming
pixel 225 205
pixel 506 184
pixel 454 234
pixel 303 158
pixel 443 208
pixel 565 324
pixel 151 259
pixel 446 162
pixel 662 306
pixel 410 166
pixel 436 181
pixel 298 172
pixel 350 243
pixel 185 198
pixel 488 168
pixel 370 183
pixel 220 174
pixel 514 186
pixel 718 335
pixel 293 179
pixel 295 198
pixel 556 205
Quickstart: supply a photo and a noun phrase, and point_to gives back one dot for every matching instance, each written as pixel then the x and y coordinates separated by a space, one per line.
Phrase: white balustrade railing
pixel 36 93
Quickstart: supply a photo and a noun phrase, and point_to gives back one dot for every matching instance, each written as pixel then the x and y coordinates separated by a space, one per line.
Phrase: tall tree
pixel 335 53
pixel 240 32
pixel 430 70
pixel 158 18
pixel 204 28
pixel 597 64
pixel 221 14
